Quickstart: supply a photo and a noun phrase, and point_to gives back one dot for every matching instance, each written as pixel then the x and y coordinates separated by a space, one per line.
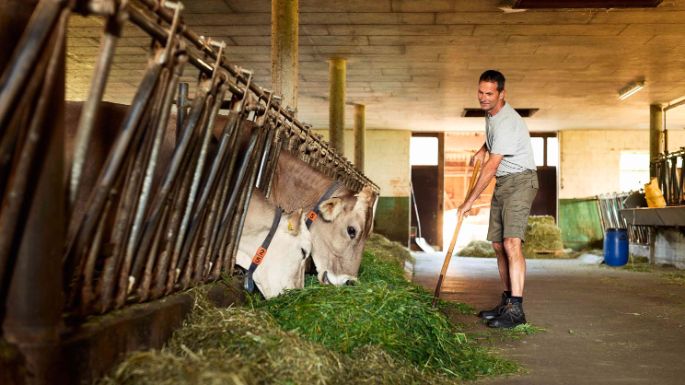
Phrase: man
pixel 510 160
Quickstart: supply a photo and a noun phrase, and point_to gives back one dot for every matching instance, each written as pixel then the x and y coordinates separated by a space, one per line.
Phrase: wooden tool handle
pixel 455 235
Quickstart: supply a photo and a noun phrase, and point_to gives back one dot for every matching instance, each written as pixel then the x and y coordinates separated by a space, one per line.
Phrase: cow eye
pixel 351 231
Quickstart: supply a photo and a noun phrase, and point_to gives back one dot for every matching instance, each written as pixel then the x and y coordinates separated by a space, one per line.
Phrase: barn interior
pixel 412 65
pixel 391 86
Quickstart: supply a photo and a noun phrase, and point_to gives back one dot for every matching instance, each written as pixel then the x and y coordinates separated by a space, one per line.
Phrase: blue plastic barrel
pixel 616 247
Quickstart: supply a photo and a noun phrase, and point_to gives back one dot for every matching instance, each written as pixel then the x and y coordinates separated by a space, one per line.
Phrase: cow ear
pixel 331 208
pixel 294 222
pixel 364 199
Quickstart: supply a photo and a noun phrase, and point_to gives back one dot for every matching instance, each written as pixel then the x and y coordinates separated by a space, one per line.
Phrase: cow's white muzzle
pixel 337 280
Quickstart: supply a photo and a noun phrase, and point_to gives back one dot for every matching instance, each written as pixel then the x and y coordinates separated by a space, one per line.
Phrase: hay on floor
pixel 481 249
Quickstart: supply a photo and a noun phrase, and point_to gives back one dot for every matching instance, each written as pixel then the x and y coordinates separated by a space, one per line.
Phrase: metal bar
pixel 217 95
pixel 133 191
pixel 87 293
pixel 673 104
pixel 33 307
pixel 246 196
pixel 26 55
pixel 160 130
pixel 21 180
pixel 144 289
pixel 278 145
pixel 219 203
pixel 170 174
pixel 141 19
pixel 224 226
pixel 173 231
pixel 111 168
pixel 89 111
pixel 211 187
pixel 18 118
pixel 181 107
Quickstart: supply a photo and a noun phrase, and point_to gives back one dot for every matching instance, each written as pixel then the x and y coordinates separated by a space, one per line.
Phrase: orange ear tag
pixel 312 216
pixel 259 256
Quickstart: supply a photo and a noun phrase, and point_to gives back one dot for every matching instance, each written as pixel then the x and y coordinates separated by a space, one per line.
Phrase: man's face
pixel 488 96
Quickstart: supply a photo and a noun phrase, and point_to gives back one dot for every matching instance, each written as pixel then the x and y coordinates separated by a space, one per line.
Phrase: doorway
pixel 427 178
pixel 546 153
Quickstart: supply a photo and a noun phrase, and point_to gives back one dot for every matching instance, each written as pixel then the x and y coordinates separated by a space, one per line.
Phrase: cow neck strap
pixel 261 251
pixel 314 213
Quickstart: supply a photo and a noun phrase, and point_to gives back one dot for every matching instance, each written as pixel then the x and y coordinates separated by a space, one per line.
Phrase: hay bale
pixel 481 249
pixel 543 238
pixel 388 250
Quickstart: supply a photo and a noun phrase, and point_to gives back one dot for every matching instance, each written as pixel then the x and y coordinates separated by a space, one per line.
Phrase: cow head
pixel 338 237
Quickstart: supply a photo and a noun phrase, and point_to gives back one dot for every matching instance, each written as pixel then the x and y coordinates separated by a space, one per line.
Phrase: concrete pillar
pixel 359 135
pixel 656 133
pixel 336 118
pixel 284 50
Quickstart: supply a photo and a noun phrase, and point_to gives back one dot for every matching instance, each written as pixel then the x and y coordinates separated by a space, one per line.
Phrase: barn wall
pixel 387 164
pixel 590 158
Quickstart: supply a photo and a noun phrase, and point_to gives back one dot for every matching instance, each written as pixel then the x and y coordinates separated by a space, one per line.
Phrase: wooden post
pixel 359 135
pixel 656 134
pixel 284 50
pixel 337 79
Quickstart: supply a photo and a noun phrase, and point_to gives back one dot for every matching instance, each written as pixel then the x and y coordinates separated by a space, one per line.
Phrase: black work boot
pixel 494 312
pixel 512 315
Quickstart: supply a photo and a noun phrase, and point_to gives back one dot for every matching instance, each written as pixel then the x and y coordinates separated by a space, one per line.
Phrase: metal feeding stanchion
pixel 453 242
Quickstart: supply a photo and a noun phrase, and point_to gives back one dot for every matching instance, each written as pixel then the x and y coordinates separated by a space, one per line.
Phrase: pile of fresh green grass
pixel 239 346
pixel 386 311
pixel 381 331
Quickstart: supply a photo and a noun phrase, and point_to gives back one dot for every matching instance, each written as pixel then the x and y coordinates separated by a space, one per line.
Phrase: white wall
pixel 590 159
pixel 386 160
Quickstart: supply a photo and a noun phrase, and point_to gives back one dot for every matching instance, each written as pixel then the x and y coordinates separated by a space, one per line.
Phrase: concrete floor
pixel 603 325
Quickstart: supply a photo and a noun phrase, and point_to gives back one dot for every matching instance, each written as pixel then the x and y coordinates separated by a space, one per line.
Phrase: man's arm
pixel 479 155
pixel 486 174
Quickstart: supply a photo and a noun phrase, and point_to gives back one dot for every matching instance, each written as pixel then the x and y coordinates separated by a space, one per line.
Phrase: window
pixel 545 149
pixel 634 170
pixel 423 151
pixel 552 151
pixel 538 150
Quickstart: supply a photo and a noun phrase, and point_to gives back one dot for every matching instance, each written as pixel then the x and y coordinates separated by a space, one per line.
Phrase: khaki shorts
pixel 511 205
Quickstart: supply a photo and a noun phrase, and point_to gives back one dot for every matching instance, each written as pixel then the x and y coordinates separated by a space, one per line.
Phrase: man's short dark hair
pixel 494 77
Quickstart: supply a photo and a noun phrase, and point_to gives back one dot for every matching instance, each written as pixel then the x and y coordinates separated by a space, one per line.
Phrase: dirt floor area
pixel 602 325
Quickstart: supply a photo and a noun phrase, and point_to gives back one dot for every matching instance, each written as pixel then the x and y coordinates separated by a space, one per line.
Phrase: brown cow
pixel 338 237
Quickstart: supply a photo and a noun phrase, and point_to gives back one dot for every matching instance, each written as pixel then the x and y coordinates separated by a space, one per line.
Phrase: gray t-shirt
pixel 507 134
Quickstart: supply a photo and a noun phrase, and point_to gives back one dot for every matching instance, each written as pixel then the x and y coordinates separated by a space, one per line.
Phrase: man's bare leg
pixel 512 314
pixel 517 265
pixel 502 265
